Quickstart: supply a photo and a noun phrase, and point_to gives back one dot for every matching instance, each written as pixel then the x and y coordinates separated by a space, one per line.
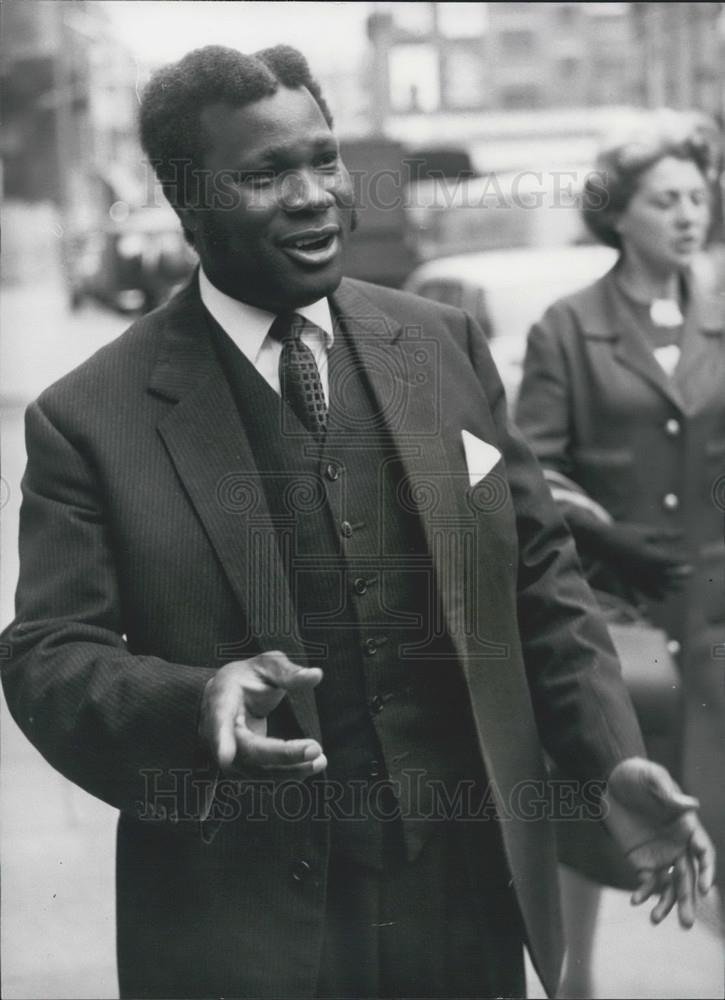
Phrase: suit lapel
pixel 403 369
pixel 213 458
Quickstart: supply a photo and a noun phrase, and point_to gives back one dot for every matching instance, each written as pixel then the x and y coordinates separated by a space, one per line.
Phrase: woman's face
pixel 665 223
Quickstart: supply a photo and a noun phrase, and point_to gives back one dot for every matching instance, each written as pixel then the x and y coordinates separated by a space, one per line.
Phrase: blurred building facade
pixel 69 146
pixel 69 99
pixel 438 57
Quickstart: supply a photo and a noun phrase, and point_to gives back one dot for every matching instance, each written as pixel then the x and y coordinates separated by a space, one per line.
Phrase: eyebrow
pixel 275 153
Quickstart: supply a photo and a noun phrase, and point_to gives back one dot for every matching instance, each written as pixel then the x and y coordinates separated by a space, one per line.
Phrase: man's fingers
pixel 257 751
pixel 702 854
pixel 665 903
pixel 279 671
pixel 686 889
pixel 647 884
pixel 270 676
pixel 219 717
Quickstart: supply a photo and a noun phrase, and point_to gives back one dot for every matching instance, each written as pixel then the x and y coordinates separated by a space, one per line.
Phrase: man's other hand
pixel 234 710
pixel 657 826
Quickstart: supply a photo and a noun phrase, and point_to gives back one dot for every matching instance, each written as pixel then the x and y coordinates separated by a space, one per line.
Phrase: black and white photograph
pixel 363 500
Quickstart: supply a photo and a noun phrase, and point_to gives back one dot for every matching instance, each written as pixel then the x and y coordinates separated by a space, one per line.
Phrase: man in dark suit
pixel 295 599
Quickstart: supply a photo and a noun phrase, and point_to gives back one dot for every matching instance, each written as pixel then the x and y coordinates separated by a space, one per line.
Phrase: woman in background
pixel 623 393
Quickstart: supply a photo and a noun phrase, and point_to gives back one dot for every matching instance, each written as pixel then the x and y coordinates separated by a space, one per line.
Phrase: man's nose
pixel 307 191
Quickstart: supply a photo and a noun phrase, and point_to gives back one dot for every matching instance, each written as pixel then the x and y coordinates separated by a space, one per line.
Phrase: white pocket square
pixel 480 457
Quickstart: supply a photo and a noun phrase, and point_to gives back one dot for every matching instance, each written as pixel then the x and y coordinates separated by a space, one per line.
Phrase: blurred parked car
pixel 131 263
pixel 507 290
pixel 525 208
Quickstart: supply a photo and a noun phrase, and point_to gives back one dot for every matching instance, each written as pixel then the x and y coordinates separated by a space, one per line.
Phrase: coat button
pixel 332 471
pixel 300 870
pixel 346 529
pixel 673 647
pixel 375 704
pixel 672 427
pixel 360 585
pixel 370 646
pixel 374 769
pixel 670 501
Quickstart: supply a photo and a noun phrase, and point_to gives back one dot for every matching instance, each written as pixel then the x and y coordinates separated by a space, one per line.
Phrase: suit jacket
pixel 596 405
pixel 144 538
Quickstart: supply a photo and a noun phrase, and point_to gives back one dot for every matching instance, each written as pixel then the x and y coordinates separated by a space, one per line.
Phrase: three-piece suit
pixel 176 516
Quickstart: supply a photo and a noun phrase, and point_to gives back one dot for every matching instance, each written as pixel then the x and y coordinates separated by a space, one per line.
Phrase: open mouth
pixel 313 247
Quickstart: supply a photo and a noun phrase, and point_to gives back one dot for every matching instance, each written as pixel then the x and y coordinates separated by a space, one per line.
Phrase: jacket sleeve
pixel 115 723
pixel 584 713
pixel 544 415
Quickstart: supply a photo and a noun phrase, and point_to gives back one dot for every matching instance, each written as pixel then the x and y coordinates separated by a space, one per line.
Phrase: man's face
pixel 276 203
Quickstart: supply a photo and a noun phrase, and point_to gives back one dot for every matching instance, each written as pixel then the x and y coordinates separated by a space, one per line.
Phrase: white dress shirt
pixel 249 326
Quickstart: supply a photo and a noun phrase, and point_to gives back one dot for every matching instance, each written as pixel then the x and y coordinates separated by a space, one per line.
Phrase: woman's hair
pixel 621 163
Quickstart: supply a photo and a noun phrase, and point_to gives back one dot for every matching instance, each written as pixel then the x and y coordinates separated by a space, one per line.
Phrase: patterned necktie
pixel 299 377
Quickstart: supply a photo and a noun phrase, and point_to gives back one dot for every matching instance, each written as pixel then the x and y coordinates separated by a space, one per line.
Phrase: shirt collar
pixel 248 326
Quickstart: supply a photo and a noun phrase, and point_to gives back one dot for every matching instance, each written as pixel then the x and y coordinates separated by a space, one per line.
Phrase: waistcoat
pixel 394 715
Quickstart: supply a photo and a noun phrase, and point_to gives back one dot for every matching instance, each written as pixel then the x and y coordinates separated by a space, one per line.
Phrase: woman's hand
pixel 648 558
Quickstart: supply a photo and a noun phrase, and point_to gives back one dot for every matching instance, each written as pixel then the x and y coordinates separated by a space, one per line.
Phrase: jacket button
pixel 371 647
pixel 332 471
pixel 346 529
pixel 374 769
pixel 670 501
pixel 673 647
pixel 375 704
pixel 300 870
pixel 360 585
pixel 672 427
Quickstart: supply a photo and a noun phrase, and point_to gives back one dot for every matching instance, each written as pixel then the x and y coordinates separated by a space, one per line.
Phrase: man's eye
pixel 254 178
pixel 327 161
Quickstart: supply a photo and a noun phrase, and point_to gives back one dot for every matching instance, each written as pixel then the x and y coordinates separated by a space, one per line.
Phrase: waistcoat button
pixel 672 427
pixel 300 870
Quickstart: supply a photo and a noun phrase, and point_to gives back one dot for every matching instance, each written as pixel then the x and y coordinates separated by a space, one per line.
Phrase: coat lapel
pixel 213 458
pixel 696 376
pixel 699 375
pixel 631 348
pixel 403 369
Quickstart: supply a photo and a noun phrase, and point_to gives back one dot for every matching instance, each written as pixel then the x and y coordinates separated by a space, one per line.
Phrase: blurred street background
pixel 468 129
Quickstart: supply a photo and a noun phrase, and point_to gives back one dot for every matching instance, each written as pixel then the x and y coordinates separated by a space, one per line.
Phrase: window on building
pixel 462 20
pixel 413 18
pixel 463 79
pixel 414 78
pixel 517 42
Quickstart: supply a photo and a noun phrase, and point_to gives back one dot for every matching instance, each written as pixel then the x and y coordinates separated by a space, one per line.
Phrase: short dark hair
pixel 170 126
pixel 620 165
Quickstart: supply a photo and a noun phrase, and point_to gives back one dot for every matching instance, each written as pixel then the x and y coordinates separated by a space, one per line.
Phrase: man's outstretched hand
pixel 234 710
pixel 657 827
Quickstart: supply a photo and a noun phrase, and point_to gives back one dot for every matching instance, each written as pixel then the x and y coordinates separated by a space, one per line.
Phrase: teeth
pixel 312 244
